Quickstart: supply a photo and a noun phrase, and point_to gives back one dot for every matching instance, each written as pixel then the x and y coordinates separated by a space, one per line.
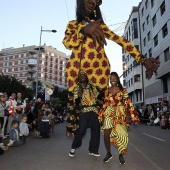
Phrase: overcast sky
pixel 21 21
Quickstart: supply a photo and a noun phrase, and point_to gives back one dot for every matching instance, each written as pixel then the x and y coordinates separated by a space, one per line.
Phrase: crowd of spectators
pixel 155 114
pixel 20 118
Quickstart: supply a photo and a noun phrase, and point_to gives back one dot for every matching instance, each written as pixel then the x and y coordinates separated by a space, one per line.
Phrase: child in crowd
pixel 45 125
pixel 23 127
pixel 162 122
pixel 14 134
pixel 52 122
pixel 34 128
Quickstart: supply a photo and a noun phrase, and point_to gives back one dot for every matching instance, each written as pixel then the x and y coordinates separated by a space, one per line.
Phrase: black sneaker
pixel 72 153
pixel 121 160
pixel 94 154
pixel 108 157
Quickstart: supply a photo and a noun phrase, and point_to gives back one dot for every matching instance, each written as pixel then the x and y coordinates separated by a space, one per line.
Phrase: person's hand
pixel 94 30
pixel 151 66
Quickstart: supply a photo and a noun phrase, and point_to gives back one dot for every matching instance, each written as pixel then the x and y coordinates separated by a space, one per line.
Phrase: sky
pixel 21 21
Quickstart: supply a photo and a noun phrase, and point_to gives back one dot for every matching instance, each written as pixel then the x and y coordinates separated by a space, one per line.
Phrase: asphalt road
pixel 149 149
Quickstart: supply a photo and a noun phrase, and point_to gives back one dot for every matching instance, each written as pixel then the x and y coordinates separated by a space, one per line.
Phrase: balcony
pixel 137 70
pixel 32 62
pixel 32 70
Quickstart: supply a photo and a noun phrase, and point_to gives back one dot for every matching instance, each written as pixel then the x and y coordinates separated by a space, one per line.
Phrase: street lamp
pixel 39 51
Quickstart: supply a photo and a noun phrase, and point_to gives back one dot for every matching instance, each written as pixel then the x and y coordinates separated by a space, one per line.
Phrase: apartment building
pixel 22 64
pixel 154 41
pixel 132 77
pixel 155 38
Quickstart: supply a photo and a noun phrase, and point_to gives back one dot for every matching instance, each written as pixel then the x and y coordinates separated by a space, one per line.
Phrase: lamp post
pixel 39 51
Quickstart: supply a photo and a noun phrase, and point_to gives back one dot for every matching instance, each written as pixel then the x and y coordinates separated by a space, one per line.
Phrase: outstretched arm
pixel 150 64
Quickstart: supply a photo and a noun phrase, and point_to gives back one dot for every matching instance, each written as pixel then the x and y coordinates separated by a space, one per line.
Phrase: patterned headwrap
pixel 82 72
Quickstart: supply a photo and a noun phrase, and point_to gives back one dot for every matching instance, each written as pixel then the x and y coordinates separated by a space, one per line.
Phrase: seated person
pixel 45 125
pixel 14 134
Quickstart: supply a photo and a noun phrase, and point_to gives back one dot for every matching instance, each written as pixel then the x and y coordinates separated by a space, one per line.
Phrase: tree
pixel 11 85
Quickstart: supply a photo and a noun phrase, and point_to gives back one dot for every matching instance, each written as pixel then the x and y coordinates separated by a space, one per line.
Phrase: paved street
pixel 149 149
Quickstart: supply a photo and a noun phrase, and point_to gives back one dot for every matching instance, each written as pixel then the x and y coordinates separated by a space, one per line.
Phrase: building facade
pixel 22 64
pixel 154 41
pixel 132 77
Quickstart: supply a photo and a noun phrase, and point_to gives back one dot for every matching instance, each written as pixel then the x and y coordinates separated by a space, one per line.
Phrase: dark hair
pixel 115 74
pixel 14 122
pixel 81 12
pixel 47 112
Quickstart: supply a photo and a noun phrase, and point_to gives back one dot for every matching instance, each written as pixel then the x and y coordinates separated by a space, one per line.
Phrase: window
pixel 165 85
pixel 142 11
pixel 24 61
pixel 162 8
pixel 124 82
pixel 18 68
pixel 144 42
pixel 150 52
pixel 23 68
pixel 146 74
pixel 13 56
pixel 154 20
pixel 155 40
pixel 137 47
pixel 157 58
pixel 137 78
pixel 12 69
pixel 166 55
pixel 146 4
pixel 13 63
pixel 23 74
pixel 19 55
pixel 164 30
pixel 152 3
pixel 149 36
pixel 135 29
pixel 19 62
pixel 143 26
pixel 131 81
pixel 25 55
pixel 147 20
pixel 145 55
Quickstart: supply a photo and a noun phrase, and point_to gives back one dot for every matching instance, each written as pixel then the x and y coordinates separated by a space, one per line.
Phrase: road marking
pixel 153 137
pixel 146 157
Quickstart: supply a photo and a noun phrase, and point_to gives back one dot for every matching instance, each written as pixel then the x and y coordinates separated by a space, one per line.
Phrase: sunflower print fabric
pixel 90 57
pixel 113 116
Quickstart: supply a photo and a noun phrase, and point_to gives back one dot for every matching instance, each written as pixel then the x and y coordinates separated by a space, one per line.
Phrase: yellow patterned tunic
pixel 112 115
pixel 93 58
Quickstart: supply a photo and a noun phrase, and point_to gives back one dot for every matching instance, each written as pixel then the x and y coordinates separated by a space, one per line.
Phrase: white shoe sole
pixel 93 154
pixel 121 163
pixel 71 155
pixel 108 159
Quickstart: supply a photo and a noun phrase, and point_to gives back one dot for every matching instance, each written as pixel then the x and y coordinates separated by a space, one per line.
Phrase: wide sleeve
pixel 72 36
pixel 124 43
pixel 129 108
